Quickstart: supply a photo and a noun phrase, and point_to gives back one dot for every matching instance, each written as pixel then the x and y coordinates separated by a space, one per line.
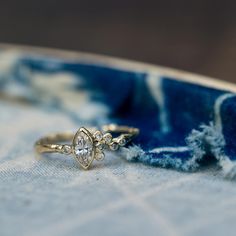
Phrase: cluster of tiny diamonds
pixel 106 139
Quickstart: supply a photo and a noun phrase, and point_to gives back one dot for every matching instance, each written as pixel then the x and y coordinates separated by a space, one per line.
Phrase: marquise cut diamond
pixel 83 148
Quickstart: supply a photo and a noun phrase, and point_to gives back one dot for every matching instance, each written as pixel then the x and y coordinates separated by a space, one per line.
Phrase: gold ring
pixel 88 143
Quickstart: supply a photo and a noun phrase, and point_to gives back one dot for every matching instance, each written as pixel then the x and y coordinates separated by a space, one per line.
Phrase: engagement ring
pixel 88 143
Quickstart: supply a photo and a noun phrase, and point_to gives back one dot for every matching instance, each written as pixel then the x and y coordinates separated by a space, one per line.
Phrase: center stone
pixel 84 146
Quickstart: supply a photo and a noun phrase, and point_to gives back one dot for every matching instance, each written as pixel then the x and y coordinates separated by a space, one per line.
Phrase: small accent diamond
pixel 122 142
pixel 98 135
pixel 114 146
pixel 100 156
pixel 66 149
pixel 107 138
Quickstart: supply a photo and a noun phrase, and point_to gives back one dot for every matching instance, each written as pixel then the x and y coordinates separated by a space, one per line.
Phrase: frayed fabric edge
pixel 208 140
pixel 166 160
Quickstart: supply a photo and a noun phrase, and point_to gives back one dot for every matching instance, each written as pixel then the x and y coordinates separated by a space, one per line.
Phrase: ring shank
pixel 120 129
pixel 49 143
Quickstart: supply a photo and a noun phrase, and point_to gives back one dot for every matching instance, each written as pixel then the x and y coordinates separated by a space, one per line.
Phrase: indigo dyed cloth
pixel 185 125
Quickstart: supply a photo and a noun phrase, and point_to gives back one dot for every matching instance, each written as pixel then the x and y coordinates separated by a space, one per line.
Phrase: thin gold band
pixel 87 144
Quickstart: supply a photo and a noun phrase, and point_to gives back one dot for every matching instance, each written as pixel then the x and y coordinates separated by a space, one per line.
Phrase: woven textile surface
pixel 189 133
